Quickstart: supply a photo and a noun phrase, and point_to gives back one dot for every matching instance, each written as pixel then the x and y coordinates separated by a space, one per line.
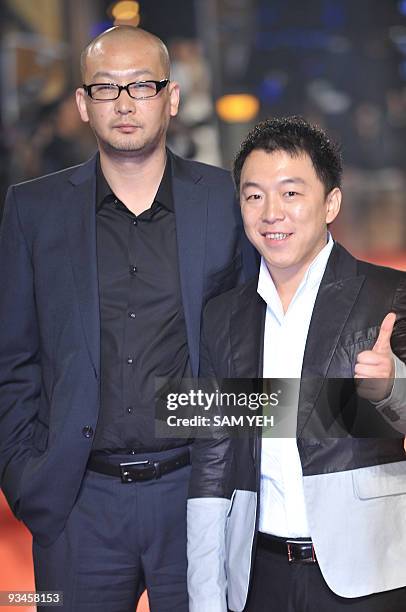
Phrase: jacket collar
pixel 79 202
pixel 335 300
pixel 337 294
pixel 190 195
pixel 247 331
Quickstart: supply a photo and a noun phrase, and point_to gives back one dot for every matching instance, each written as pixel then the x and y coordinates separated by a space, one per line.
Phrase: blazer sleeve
pixel 398 340
pixel 207 509
pixel 211 456
pixel 393 408
pixel 20 368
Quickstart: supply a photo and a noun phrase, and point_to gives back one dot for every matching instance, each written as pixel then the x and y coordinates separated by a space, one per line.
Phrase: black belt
pixel 296 550
pixel 132 471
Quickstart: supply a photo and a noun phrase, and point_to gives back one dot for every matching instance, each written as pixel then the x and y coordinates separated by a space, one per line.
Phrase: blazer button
pixel 87 431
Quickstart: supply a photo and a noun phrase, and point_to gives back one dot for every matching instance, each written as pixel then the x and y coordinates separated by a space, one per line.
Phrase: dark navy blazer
pixel 50 327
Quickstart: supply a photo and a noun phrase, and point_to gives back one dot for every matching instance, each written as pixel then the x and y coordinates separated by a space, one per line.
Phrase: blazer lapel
pixel 247 332
pixel 247 325
pixel 190 200
pixel 338 292
pixel 80 219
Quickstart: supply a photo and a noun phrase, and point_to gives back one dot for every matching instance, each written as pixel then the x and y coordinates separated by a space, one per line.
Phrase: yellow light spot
pixel 126 10
pixel 237 108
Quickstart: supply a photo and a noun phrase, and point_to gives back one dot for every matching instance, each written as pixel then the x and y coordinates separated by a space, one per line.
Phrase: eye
pixel 291 194
pixel 104 87
pixel 143 85
pixel 253 196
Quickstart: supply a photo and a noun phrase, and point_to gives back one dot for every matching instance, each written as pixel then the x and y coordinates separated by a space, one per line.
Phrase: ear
pixel 81 104
pixel 333 204
pixel 174 98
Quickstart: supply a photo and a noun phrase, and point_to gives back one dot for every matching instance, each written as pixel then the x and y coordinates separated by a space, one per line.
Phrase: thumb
pixel 382 344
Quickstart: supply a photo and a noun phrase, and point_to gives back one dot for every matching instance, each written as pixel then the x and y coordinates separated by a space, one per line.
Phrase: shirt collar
pixel 163 196
pixel 311 279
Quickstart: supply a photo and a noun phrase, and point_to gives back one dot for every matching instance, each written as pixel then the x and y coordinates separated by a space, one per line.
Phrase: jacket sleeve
pixel 393 408
pixel 207 508
pixel 398 340
pixel 20 374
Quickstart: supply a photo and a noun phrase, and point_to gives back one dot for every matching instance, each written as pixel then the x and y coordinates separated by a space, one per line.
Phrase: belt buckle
pixel 126 473
pixel 291 556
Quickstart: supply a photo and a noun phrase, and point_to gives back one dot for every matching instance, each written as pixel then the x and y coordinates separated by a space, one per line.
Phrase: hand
pixel 376 368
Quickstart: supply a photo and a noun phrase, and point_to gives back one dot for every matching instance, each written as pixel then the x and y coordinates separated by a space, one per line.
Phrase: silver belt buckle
pixel 125 473
pixel 291 556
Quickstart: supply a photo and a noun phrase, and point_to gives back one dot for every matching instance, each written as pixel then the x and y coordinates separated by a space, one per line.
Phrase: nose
pixel 273 210
pixel 124 103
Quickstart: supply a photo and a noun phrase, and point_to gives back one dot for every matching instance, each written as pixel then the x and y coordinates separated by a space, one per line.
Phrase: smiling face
pixel 285 211
pixel 127 125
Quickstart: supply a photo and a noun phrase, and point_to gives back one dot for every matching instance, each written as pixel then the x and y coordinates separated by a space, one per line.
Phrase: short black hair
pixel 295 136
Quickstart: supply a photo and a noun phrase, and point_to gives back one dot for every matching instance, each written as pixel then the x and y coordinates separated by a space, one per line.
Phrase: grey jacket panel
pixel 367 509
pixel 207 583
pixel 220 544
pixel 240 533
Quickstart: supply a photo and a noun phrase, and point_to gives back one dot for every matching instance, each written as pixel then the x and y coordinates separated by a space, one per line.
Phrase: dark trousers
pixel 279 586
pixel 119 539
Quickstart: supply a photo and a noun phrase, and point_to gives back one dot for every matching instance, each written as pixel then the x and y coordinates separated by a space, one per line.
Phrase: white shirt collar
pixel 311 279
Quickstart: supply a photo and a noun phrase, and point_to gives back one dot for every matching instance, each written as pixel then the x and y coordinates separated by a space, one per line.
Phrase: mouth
pixel 126 127
pixel 277 236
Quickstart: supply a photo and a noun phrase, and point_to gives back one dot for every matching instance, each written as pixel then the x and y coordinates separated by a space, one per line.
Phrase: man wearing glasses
pixel 105 269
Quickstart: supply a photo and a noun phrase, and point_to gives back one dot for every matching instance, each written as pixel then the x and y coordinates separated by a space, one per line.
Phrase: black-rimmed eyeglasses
pixel 139 90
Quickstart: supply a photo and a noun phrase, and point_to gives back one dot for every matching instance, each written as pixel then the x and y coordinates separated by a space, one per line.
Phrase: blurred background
pixel 339 63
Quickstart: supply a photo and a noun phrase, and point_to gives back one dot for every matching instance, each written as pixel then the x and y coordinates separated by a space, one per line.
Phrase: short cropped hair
pixel 295 136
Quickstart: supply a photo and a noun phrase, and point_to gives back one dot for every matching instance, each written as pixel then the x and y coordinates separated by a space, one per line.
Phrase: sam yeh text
pixel 256 420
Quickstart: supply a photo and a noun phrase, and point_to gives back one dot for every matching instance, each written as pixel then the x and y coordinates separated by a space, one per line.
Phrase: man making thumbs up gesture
pixel 317 520
pixel 376 367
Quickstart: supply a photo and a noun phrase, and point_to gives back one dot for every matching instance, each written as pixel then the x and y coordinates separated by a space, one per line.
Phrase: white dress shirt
pixel 282 503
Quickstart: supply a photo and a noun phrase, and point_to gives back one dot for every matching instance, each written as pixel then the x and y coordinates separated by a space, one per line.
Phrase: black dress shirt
pixel 143 332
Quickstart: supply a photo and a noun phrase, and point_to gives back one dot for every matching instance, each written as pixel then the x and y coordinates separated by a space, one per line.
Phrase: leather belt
pixel 296 550
pixel 133 471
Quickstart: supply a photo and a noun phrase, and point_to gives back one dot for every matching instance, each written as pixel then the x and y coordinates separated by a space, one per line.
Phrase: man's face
pixel 285 210
pixel 125 124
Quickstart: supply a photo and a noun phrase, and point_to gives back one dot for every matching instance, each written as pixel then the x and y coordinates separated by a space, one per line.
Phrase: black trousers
pixel 120 539
pixel 279 586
